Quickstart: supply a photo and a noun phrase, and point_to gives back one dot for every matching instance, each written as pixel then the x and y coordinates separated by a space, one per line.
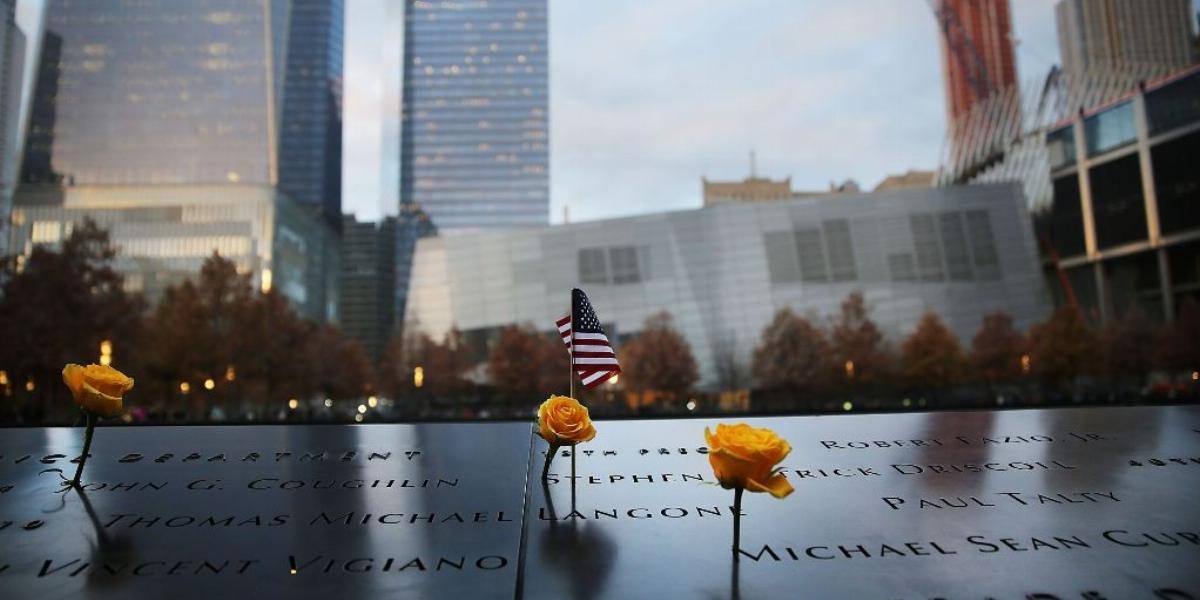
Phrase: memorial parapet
pixel 992 504
pixel 319 511
pixel 1060 503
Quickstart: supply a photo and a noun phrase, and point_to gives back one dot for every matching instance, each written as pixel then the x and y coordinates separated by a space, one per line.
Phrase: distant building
pixel 376 263
pixel 722 271
pixel 164 124
pixel 750 189
pixel 1098 36
pixel 12 69
pixel 475 118
pixel 366 310
pixel 310 139
pixel 907 180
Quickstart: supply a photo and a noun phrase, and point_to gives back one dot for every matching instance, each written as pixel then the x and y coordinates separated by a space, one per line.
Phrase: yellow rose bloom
pixel 563 421
pixel 745 457
pixel 99 389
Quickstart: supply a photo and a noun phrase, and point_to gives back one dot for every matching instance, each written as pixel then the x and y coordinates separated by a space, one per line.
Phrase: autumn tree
pixel 659 359
pixel 793 355
pixel 524 362
pixel 997 348
pixel 342 367
pixel 199 329
pixel 857 344
pixel 1129 343
pixel 1063 346
pixel 57 307
pixel 1178 349
pixel 441 366
pixel 931 357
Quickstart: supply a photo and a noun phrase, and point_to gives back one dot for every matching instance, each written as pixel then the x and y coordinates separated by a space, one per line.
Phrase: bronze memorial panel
pixel 315 511
pixel 1039 504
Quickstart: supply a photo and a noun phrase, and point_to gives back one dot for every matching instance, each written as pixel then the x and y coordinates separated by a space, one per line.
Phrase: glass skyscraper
pixel 186 128
pixel 474 142
pixel 310 142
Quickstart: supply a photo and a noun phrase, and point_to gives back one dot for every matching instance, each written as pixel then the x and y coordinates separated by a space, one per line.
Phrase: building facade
pixel 750 189
pixel 723 271
pixel 1122 231
pixel 1097 36
pixel 310 138
pixel 163 123
pixel 474 123
pixel 12 68
pixel 367 307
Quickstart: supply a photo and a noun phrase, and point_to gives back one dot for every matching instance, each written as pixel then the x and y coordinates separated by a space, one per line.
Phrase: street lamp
pixel 106 352
pixel 1026 362
pixel 185 387
pixel 418 377
pixel 209 384
pixel 849 369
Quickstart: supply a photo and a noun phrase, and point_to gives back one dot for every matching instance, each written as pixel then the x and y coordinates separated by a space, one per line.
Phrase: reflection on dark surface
pixel 582 553
pixel 106 550
pixel 1106 459
pixel 945 426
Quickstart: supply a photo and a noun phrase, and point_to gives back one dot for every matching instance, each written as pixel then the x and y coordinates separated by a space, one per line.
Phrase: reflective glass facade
pixel 163 92
pixel 474 141
pixel 310 140
pixel 187 128
pixel 722 271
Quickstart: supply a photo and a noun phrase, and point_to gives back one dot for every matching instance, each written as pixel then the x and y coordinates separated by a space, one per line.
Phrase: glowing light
pixel 1195 375
pixel 292 571
pixel 418 376
pixel 209 384
pixel 293 403
pixel 691 405
pixel 847 406
pixel 362 409
pixel 1026 362
pixel 372 401
pixel 105 352
pixel 3 377
pixel 849 371
pixel 328 403
pixel 266 280
pixel 230 373
pixel 614 380
pixel 358 418
pixel 906 402
pixel 29 385
pixel 185 387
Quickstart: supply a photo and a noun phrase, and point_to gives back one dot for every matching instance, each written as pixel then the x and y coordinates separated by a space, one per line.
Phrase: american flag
pixel 592 354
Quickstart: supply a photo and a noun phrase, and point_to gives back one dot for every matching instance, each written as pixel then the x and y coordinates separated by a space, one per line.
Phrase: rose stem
pixel 549 457
pixel 737 520
pixel 573 449
pixel 87 446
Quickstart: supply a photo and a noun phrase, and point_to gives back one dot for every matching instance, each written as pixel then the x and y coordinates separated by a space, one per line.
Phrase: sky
pixel 648 97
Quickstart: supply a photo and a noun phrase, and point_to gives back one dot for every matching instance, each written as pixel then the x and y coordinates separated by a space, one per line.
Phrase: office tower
pixel 366 310
pixel 977 52
pixel 475 113
pixel 1096 36
pixel 310 142
pixel 12 61
pixel 162 122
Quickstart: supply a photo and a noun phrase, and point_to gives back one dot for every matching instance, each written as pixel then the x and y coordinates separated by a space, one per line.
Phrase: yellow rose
pixel 745 457
pixel 563 421
pixel 98 389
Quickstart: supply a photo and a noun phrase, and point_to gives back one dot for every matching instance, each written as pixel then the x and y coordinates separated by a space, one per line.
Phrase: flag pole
pixel 571 374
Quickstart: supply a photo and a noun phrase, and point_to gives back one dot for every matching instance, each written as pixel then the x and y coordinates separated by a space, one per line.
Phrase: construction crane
pixel 962 48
